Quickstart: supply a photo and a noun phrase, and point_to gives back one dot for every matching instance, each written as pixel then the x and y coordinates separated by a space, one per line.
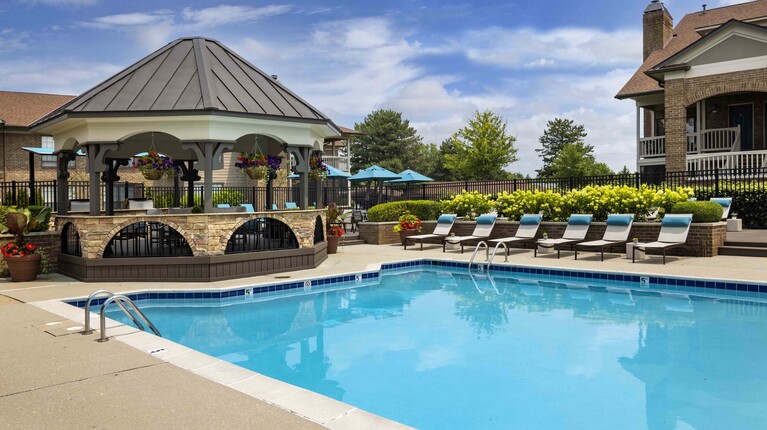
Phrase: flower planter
pixel 23 269
pixel 404 234
pixel 315 175
pixel 333 244
pixel 256 173
pixel 152 174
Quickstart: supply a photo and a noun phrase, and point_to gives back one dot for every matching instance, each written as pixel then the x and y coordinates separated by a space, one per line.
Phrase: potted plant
pixel 318 170
pixel 20 255
pixel 154 165
pixel 407 226
pixel 257 165
pixel 333 228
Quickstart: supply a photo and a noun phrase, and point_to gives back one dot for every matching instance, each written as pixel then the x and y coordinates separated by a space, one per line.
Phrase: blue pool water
pixel 444 349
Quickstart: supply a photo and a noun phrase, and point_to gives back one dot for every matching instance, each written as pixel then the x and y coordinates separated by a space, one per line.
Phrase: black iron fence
pixel 720 182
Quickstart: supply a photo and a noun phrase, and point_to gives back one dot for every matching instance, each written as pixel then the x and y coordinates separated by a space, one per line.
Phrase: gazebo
pixel 193 100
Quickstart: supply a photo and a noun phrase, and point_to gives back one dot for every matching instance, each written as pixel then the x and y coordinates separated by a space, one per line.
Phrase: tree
pixel 559 132
pixel 388 141
pixel 441 172
pixel 625 171
pixel 576 159
pixel 482 149
pixel 424 159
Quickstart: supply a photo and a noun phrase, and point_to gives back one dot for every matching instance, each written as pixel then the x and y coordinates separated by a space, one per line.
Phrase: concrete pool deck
pixel 58 378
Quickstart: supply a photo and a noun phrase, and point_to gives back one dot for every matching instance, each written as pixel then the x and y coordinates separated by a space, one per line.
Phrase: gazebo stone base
pixel 192 269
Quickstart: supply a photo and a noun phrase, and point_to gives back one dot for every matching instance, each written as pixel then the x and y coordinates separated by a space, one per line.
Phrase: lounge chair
pixel 577 227
pixel 274 207
pixel 484 227
pixel 617 233
pixel 528 228
pixel 223 205
pixel 248 207
pixel 291 205
pixel 673 233
pixel 444 225
pixel 726 203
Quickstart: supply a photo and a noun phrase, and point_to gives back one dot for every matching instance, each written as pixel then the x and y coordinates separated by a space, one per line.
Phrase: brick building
pixel 701 92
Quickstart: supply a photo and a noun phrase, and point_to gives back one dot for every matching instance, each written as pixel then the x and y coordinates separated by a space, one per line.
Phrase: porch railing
pixel 705 141
pixel 652 147
pixel 340 163
pixel 746 160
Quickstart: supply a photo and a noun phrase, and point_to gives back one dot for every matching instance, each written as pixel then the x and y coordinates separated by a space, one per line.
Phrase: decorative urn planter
pixel 333 244
pixel 23 269
pixel 404 234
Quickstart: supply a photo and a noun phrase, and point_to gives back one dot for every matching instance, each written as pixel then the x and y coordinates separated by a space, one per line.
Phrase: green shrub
pixel 22 198
pixel 197 210
pixel 423 209
pixel 701 211
pixel 468 204
pixel 45 224
pixel 748 202
pixel 232 198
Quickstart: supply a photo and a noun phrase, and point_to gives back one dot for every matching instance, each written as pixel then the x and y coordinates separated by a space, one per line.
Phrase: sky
pixel 437 62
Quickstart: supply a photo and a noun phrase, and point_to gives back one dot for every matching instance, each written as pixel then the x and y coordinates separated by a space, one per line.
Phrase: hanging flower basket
pixel 315 175
pixel 258 166
pixel 318 170
pixel 154 165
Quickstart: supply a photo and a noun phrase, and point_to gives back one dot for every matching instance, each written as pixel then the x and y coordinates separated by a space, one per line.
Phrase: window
pixel 48 160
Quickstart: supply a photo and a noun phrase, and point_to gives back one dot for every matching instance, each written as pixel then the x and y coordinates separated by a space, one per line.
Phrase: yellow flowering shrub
pixel 468 204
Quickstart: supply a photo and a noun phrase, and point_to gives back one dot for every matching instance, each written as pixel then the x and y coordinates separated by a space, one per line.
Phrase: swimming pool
pixel 440 347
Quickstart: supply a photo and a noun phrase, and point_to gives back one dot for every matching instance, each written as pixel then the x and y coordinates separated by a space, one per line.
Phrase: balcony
pixel 717 148
pixel 339 162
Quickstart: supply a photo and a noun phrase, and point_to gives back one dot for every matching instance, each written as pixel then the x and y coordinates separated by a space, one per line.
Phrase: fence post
pixel 515 185
pixel 466 185
pixel 716 179
pixel 423 191
pixel 637 180
pixel 13 193
pixel 571 183
pixel 55 194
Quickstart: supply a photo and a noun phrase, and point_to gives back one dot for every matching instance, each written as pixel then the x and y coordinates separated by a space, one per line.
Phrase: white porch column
pixel 698 135
pixel 638 134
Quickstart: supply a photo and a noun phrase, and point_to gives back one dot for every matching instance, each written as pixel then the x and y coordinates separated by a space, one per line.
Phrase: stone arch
pixel 242 242
pixel 181 230
pixel 702 92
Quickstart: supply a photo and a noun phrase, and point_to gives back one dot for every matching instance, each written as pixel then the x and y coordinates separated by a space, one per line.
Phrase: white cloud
pixel 130 19
pixel 11 40
pixel 54 75
pixel 732 2
pixel 516 48
pixel 226 14
pixel 62 2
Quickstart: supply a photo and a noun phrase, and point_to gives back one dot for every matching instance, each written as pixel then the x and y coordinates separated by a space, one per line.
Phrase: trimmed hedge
pixel 701 211
pixel 749 204
pixel 424 209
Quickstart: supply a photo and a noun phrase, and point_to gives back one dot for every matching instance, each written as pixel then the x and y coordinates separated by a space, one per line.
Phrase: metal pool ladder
pixel 480 245
pixel 121 300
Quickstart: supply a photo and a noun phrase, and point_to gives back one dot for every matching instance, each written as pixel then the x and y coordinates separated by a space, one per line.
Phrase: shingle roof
pixel 21 109
pixel 192 74
pixel 685 34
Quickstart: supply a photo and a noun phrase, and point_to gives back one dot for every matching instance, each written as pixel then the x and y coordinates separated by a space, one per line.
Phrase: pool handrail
pixel 122 298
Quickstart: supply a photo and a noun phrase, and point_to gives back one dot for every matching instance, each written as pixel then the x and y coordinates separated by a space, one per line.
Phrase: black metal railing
pixel 70 241
pixel 147 239
pixel 261 234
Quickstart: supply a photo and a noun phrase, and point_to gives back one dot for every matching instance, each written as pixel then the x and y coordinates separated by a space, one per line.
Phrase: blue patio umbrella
pixel 332 173
pixel 410 177
pixel 374 174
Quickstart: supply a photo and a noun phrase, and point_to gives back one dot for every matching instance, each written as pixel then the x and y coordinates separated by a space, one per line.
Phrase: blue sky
pixel 435 61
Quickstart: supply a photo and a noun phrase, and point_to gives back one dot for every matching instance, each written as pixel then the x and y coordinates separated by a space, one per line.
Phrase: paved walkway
pixel 60 379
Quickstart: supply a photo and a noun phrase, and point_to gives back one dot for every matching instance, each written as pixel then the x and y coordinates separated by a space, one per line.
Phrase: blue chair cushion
pixel 290 205
pixel 530 219
pixel 580 219
pixel 724 202
pixel 486 219
pixel 676 221
pixel 222 205
pixel 274 206
pixel 248 207
pixel 446 219
pixel 620 220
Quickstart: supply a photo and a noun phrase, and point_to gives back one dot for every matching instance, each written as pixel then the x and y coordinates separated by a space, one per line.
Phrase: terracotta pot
pixel 152 174
pixel 333 244
pixel 404 234
pixel 24 268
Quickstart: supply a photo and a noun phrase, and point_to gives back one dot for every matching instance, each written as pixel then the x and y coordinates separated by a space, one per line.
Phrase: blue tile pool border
pixel 733 289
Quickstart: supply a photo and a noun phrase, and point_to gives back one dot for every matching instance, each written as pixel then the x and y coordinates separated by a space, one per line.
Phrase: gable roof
pixel 19 109
pixel 685 34
pixel 191 74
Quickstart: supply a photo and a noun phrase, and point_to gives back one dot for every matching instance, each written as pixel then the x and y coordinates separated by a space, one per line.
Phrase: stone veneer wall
pixel 704 239
pixel 48 242
pixel 207 234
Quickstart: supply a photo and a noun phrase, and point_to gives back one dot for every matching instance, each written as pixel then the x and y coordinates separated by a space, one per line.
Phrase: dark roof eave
pixel 75 115
pixel 632 95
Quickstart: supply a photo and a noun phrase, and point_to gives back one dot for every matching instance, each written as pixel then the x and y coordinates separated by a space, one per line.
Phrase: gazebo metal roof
pixel 187 75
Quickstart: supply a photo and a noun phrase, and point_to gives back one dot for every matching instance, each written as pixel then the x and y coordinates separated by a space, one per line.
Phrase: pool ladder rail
pixel 121 300
pixel 483 244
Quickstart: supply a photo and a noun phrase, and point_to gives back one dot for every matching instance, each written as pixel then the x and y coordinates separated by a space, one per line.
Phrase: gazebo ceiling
pixel 191 78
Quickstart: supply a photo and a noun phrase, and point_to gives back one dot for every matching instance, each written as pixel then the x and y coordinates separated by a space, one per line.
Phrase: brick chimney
pixel 657 26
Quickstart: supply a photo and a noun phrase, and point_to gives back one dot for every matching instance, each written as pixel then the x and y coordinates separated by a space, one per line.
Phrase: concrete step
pixel 743 251
pixel 745 244
pixel 352 242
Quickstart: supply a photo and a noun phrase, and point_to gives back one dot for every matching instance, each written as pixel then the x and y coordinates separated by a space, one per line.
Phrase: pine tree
pixel 558 133
pixel 388 141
